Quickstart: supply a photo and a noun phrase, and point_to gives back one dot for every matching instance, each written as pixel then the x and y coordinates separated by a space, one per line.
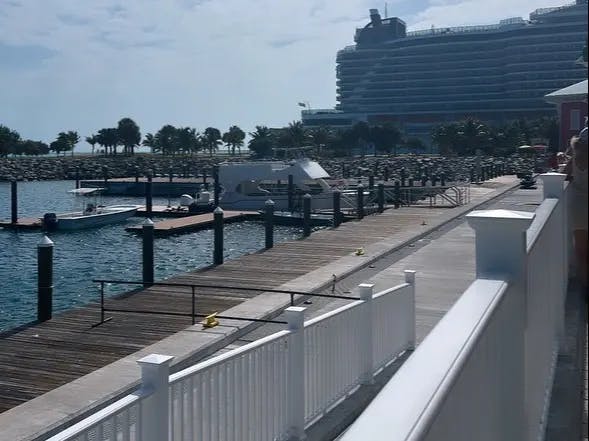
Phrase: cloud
pixel 23 57
pixel 75 65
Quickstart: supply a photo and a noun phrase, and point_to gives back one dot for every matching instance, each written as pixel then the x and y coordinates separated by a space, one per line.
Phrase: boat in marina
pixel 92 215
pixel 247 186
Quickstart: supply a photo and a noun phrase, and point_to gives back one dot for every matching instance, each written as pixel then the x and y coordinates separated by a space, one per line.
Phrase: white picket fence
pixel 485 372
pixel 270 389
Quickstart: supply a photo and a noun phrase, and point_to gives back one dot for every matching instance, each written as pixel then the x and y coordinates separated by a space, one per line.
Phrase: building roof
pixel 574 92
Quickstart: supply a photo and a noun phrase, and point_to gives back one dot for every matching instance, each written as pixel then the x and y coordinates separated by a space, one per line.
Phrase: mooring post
pixel 290 192
pixel 216 185
pixel 434 180
pixel 77 177
pixel 269 223
pixel 483 174
pixel 337 208
pixel 410 181
pixel 306 215
pixel 13 202
pixel 171 174
pixel 204 179
pixel 380 197
pixel 370 182
pixel 443 179
pixel 386 173
pixel 148 196
pixel 44 279
pixel 218 236
pixel 471 174
pixel 148 254
pixel 105 176
pixel 360 201
pixel 397 194
pixel 423 180
pixel 136 174
pixel 403 176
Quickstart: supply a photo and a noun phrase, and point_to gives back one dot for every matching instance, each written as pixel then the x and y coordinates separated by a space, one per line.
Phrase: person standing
pixel 576 171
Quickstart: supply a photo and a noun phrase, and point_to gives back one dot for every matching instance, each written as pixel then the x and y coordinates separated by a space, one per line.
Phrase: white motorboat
pixel 247 186
pixel 93 214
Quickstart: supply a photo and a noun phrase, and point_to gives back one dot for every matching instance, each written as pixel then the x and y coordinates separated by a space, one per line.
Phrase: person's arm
pixel 568 170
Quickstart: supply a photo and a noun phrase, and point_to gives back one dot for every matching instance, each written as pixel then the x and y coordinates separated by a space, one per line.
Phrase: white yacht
pixel 247 186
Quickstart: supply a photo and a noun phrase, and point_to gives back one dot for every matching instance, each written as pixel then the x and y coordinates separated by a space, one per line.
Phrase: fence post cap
pixel 155 359
pixel 521 219
pixel 45 242
pixel 307 196
pixel 218 210
pixel 269 202
pixel 409 276
pixel 147 223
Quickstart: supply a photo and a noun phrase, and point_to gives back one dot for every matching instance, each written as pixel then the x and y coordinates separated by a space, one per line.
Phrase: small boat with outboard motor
pixel 92 215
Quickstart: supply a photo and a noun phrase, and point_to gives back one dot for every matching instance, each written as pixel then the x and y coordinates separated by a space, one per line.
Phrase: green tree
pixel 386 138
pixel 92 140
pixel 321 137
pixel 8 140
pixel 234 138
pixel 32 148
pixel 445 136
pixel 261 142
pixel 129 135
pixel 472 136
pixel 187 140
pixel 415 145
pixel 59 145
pixel 211 139
pixel 151 142
pixel 167 139
pixel 109 139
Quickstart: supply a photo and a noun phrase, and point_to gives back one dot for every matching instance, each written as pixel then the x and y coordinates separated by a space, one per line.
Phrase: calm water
pixel 107 252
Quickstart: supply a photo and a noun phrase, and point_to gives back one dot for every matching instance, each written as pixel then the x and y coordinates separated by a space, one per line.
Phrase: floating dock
pixel 24 223
pixel 160 186
pixel 194 223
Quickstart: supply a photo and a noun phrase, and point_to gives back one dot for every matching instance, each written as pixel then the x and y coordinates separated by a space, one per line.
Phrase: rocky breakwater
pixel 416 166
pixel 93 167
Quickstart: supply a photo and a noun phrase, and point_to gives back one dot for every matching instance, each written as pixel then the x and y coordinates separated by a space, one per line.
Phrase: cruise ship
pixel 422 78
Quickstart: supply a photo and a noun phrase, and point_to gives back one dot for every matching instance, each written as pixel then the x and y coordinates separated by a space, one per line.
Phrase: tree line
pixel 465 137
pixel 455 138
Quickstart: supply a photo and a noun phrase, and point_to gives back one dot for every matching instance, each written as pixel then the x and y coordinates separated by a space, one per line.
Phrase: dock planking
pixel 194 223
pixel 23 223
pixel 43 356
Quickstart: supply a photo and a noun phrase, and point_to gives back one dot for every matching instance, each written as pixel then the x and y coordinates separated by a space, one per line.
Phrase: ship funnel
pixel 375 17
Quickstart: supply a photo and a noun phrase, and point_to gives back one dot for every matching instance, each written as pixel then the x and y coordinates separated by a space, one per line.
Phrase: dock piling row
pixel 218 236
pixel 148 254
pixel 269 224
pixel 13 202
pixel 306 215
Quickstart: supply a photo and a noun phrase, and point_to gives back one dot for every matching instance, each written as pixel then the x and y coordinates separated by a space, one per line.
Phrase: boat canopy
pixel 85 191
pixel 232 174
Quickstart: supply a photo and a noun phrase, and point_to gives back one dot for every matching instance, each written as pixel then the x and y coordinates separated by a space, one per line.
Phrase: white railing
pixel 485 371
pixel 270 389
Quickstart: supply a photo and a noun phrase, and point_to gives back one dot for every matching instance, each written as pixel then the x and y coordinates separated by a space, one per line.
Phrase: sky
pixel 83 65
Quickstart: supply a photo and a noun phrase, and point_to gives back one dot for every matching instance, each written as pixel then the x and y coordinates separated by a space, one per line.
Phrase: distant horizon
pixel 193 63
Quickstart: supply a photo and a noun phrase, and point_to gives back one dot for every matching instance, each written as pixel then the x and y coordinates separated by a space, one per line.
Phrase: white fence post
pixel 366 348
pixel 155 409
pixel 553 186
pixel 296 365
pixel 501 254
pixel 410 279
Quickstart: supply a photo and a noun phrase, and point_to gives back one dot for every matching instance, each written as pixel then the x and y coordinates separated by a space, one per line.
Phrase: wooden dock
pixel 194 223
pixel 42 357
pixel 23 223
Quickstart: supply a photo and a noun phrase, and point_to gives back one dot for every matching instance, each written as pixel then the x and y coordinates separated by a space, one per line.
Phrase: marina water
pixel 108 252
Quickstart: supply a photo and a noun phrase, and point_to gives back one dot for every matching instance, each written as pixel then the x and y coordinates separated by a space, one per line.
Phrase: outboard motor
pixel 186 200
pixel 50 221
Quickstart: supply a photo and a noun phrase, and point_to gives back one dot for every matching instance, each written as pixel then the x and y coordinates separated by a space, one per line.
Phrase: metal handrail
pixel 193 287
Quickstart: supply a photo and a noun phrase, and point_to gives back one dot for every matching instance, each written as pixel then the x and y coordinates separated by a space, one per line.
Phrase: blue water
pixel 107 252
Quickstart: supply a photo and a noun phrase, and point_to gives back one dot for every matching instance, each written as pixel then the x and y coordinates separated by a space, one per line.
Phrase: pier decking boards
pixel 193 223
pixel 23 223
pixel 44 356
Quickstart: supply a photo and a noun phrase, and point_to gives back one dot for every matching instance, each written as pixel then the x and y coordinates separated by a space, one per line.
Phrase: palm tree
pixel 129 134
pixel 297 134
pixel 109 139
pixel 321 137
pixel 234 138
pixel 445 136
pixel 151 142
pixel 261 141
pixel 212 139
pixel 92 140
pixel 167 139
pixel 187 139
